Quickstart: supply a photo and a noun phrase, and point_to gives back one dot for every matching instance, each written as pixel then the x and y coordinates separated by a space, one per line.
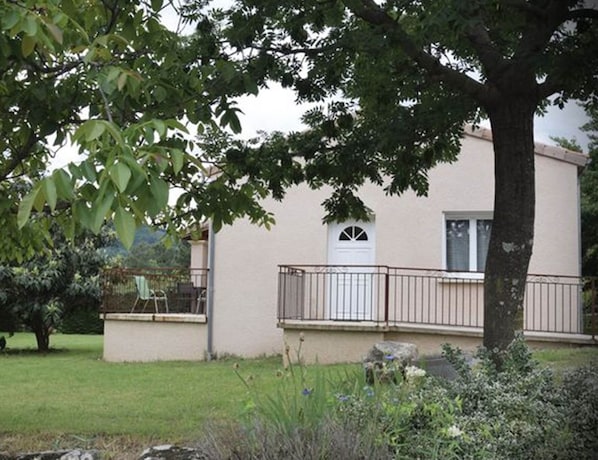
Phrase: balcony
pixel 382 297
pixel 176 290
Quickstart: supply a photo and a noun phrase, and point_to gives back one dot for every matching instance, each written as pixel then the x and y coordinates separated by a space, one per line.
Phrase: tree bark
pixel 511 242
pixel 42 334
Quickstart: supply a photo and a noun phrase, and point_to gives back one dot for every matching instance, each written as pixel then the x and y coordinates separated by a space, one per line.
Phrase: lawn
pixel 71 397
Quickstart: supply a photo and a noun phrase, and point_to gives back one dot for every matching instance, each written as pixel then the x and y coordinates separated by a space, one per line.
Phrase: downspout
pixel 579 235
pixel 210 292
pixel 580 171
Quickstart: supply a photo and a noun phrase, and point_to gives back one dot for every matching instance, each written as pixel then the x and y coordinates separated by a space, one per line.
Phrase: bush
pixel 82 321
pixel 518 412
pixel 580 392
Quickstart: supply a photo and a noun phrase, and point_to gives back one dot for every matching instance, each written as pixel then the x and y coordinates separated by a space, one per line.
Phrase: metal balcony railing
pixel 390 296
pixel 183 288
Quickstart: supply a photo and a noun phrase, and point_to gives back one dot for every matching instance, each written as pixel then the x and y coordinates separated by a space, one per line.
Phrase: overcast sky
pixel 275 109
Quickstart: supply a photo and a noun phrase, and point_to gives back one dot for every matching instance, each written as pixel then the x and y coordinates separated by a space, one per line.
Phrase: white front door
pixel 351 249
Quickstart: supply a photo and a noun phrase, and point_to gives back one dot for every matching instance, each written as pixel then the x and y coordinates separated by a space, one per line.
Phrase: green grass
pixel 70 395
pixel 75 391
pixel 561 359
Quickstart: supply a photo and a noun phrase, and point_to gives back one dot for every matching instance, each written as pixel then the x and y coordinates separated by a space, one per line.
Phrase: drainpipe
pixel 210 293
pixel 580 171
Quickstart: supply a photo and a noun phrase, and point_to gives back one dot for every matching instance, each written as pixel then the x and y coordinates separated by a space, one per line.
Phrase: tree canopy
pixel 110 80
pixel 39 293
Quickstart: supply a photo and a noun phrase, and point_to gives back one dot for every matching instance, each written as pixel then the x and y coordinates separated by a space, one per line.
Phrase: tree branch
pixel 526 7
pixel 370 12
pixel 19 156
pixel 583 13
pixel 492 60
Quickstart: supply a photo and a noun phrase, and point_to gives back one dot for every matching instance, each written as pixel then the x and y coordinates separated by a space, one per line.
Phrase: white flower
pixel 454 432
pixel 413 372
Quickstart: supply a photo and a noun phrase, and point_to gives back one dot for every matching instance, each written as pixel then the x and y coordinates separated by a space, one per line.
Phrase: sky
pixel 275 109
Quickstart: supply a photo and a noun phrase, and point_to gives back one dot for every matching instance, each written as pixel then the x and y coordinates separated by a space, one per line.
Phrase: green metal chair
pixel 146 294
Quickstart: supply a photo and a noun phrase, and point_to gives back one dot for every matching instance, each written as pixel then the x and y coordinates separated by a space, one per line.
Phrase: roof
pixel 551 151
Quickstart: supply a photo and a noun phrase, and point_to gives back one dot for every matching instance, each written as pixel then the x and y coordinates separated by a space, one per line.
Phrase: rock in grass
pixel 170 452
pixel 386 358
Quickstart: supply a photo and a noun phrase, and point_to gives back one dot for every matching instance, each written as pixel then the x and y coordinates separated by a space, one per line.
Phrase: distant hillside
pixel 143 235
pixel 148 251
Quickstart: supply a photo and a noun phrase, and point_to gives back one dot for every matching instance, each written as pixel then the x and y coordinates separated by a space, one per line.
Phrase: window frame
pixel 472 217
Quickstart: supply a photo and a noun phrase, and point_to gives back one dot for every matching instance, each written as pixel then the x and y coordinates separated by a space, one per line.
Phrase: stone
pixel 172 452
pixel 386 358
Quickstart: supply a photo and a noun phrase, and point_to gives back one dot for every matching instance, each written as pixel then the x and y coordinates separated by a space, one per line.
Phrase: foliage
pixel 589 190
pixel 517 412
pixel 580 388
pixel 82 321
pixel 39 293
pixel 110 81
pixel 158 254
pixel 300 401
pixel 589 200
pixel 513 413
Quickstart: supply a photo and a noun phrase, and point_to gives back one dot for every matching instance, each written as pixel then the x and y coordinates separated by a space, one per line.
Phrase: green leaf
pixel 160 127
pixel 10 20
pixel 49 189
pixel 157 5
pixel 89 171
pixel 160 191
pixel 250 85
pixel 95 128
pixel 122 81
pixel 175 124
pixel 114 131
pixel 125 227
pixel 82 214
pixel 25 207
pixel 63 184
pixel 27 45
pixel 178 159
pixel 100 210
pixel 55 31
pixel 120 175
pixel 30 26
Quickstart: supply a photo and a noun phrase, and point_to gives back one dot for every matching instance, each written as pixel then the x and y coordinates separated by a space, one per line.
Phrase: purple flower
pixel 389 357
pixel 307 391
pixel 343 398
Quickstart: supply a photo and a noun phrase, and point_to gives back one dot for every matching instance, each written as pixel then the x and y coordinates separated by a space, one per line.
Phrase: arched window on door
pixel 353 233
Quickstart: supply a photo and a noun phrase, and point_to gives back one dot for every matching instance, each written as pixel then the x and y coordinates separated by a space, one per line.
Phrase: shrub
pixel 82 321
pixel 517 412
pixel 580 393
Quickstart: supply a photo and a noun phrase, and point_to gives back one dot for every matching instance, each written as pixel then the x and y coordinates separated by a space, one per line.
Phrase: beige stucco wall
pixel 245 268
pixel 147 337
pixel 409 233
pixel 328 347
pixel 351 344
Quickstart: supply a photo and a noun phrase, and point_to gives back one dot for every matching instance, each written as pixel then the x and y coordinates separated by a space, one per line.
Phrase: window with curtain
pixel 467 243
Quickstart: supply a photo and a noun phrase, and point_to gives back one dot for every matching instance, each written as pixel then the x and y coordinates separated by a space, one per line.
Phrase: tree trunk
pixel 512 238
pixel 42 333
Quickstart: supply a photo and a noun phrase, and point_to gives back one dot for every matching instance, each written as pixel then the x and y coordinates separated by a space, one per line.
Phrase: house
pixel 412 273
